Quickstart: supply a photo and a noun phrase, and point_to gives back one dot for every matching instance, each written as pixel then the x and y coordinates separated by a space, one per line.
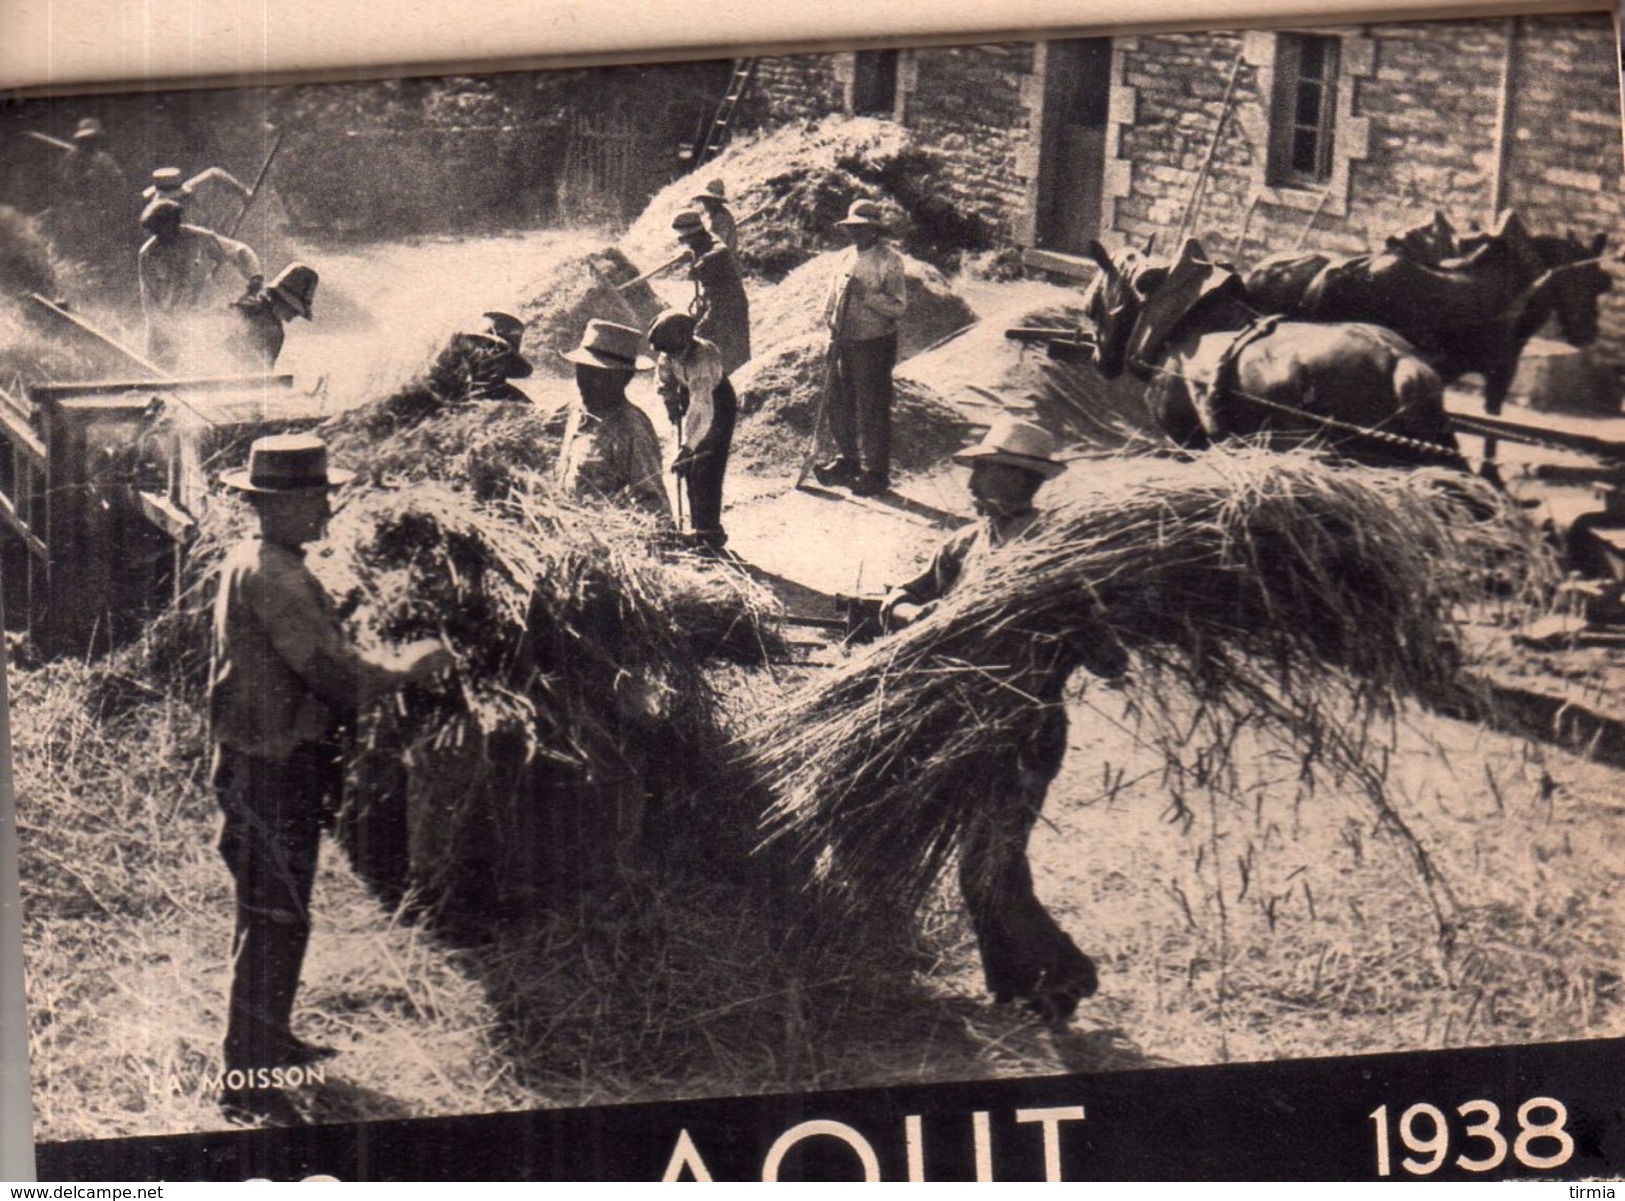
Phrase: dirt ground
pixel 1281 921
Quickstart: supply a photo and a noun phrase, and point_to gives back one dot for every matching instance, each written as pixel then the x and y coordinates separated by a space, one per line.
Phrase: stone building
pixel 1255 141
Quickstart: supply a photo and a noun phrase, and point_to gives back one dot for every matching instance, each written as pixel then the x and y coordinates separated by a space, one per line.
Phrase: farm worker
pixel 266 312
pixel 610 447
pixel 88 185
pixel 720 306
pixel 701 403
pixel 719 218
pixel 282 677
pixel 1008 467
pixel 478 364
pixel 175 266
pixel 866 298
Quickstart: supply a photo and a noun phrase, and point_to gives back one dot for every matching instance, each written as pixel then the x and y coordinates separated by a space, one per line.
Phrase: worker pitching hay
pixel 1249 590
pixel 781 393
pixel 794 308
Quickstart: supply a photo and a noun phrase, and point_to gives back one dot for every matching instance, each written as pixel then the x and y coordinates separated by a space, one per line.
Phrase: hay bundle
pixel 781 392
pixel 580 683
pixel 576 290
pixel 794 308
pixel 1250 589
pixel 803 177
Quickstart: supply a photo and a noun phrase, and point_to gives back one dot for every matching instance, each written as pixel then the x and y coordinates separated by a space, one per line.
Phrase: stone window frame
pixel 846 76
pixel 1351 136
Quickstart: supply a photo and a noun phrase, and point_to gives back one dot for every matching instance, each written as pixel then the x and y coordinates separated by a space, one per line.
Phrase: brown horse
pixel 1468 312
pixel 1215 370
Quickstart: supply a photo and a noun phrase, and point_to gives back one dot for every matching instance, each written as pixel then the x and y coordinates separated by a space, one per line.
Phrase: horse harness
pixel 1224 384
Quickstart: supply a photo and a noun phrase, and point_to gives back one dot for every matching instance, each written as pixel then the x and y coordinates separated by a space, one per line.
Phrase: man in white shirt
pixel 701 403
pixel 866 298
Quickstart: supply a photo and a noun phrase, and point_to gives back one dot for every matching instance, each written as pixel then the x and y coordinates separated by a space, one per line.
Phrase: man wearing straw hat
pixel 265 313
pixel 721 308
pixel 175 266
pixel 1008 467
pixel 701 403
pixel 282 678
pixel 867 296
pixel 719 218
pixel 89 184
pixel 169 183
pixel 610 449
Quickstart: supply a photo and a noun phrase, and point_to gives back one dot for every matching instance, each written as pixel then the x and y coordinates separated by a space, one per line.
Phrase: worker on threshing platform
pixel 719 218
pixel 720 308
pixel 1008 467
pixel 266 312
pixel 282 678
pixel 175 267
pixel 610 447
pixel 702 406
pixel 89 185
pixel 479 364
pixel 867 296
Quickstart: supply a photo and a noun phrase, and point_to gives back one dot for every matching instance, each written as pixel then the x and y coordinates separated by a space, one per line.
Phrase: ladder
pixel 744 74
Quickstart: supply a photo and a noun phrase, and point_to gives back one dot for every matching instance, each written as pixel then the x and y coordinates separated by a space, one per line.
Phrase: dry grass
pixel 1247 587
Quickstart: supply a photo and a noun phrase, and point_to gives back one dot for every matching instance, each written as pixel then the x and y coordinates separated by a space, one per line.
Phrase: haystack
pixel 804 177
pixel 26 262
pixel 794 308
pixel 981 371
pixel 576 290
pixel 782 392
pixel 1251 590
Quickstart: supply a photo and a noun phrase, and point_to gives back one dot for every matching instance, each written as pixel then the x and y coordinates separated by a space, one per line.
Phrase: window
pixel 1303 111
pixel 874 83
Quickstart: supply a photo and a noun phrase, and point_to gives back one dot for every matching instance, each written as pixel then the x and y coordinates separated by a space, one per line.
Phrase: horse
pixel 1215 369
pixel 1471 311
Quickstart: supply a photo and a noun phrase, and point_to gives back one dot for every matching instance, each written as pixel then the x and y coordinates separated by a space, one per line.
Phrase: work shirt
pixel 867 295
pixel 174 273
pixel 688 385
pixel 282 671
pixel 615 455
pixel 721 308
pixel 962 554
pixel 720 221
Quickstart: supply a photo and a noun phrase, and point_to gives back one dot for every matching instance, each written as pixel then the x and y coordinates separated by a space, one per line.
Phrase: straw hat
pixel 89 128
pixel 295 284
pixel 166 182
pixel 713 191
pixel 864 212
pixel 671 330
pixel 505 326
pixel 1015 444
pixel 606 344
pixel 686 222
pixel 286 463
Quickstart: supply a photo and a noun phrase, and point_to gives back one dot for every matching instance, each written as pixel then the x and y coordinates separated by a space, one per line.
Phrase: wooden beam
pixel 9 518
pixel 23 438
pixel 167 516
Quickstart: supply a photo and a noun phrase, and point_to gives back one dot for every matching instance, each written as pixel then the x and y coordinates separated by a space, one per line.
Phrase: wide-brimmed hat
pixel 1015 444
pixel 89 127
pixel 864 212
pixel 161 207
pixel 672 328
pixel 505 326
pixel 286 463
pixel 715 190
pixel 296 285
pixel 688 221
pixel 607 344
